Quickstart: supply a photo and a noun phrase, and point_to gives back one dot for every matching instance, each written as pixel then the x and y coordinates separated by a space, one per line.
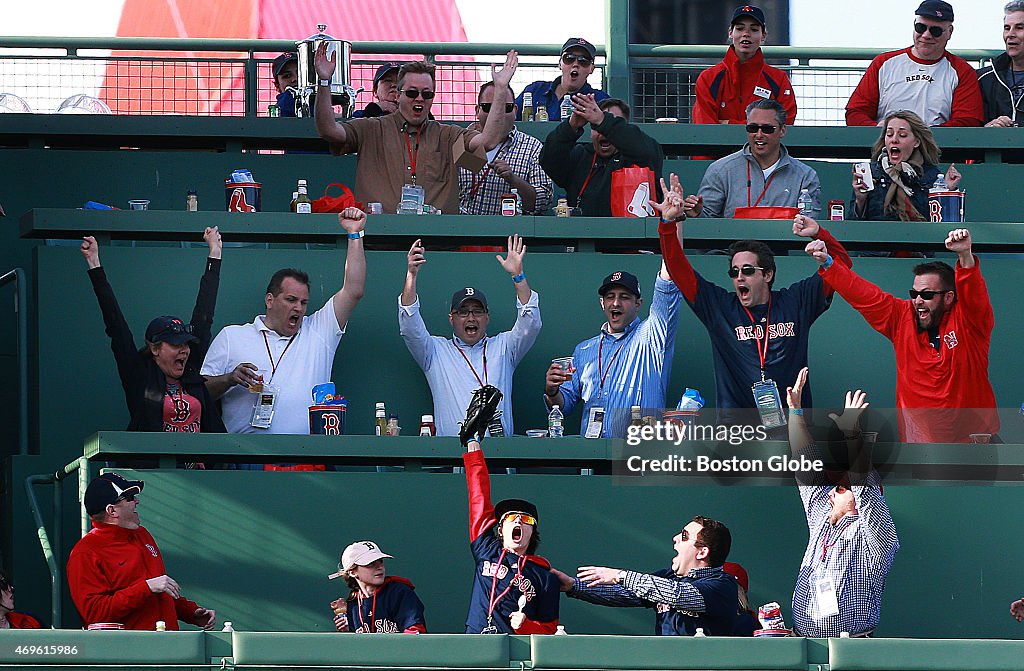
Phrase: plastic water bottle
pixel 940 183
pixel 700 632
pixel 565 109
pixel 227 626
pixel 555 418
pixel 805 203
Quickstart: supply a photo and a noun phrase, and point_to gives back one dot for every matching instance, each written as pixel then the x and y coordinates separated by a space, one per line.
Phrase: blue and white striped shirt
pixel 856 554
pixel 450 378
pixel 639 373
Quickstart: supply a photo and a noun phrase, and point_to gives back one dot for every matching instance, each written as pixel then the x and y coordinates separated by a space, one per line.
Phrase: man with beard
pixel 407 148
pixel 941 337
pixel 576 64
pixel 585 170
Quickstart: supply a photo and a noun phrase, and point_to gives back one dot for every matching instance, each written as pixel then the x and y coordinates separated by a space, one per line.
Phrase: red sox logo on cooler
pixel 239 203
pixel 331 427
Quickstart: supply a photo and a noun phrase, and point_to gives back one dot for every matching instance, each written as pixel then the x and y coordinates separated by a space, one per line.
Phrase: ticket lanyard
pixel 487 169
pixel 583 189
pixel 825 545
pixel 373 608
pixel 600 361
pixel 413 153
pixel 762 353
pixel 475 374
pixel 273 366
pixel 492 602
pixel 762 190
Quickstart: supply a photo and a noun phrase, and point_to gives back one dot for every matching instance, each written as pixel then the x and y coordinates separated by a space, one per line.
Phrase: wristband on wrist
pixel 323 82
pixel 356 235
pixel 828 262
pixel 519 278
pixel 796 411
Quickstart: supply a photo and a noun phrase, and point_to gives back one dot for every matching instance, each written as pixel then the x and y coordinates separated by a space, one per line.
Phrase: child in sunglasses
pixel 377 603
pixel 514 591
pixel 576 64
pixel 852 539
pixel 162 385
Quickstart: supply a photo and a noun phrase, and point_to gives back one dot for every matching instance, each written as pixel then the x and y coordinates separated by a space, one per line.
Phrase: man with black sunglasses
pixel 920 78
pixel 576 64
pixel 941 337
pixel 116 573
pixel 512 163
pixel 852 540
pixel 406 154
pixel 759 335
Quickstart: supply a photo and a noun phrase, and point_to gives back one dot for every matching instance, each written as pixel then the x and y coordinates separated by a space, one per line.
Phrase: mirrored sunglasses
pixel 523 517
pixel 569 59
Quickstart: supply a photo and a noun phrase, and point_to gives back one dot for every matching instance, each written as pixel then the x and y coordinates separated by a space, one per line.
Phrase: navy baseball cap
pixel 383 70
pixel 622 279
pixel 169 330
pixel 503 508
pixel 468 294
pixel 580 43
pixel 107 489
pixel 283 60
pixel 751 11
pixel 935 9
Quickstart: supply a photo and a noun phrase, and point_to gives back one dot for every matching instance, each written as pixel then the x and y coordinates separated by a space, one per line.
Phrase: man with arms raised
pixel 941 337
pixel 407 148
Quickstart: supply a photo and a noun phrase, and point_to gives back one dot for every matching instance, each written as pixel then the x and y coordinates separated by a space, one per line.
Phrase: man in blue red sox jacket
pixel 695 593
pixel 514 591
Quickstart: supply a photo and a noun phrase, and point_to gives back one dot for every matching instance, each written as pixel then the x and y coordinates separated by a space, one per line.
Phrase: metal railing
pixel 233 77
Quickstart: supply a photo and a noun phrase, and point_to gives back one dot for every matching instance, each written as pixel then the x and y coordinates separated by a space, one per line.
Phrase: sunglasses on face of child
pixel 524 518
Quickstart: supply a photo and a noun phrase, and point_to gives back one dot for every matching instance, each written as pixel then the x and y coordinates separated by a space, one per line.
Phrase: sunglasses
pixel 569 59
pixel 470 313
pixel 523 517
pixel 413 93
pixel 176 328
pixel 128 499
pixel 765 128
pixel 927 294
pixel 486 107
pixel 747 270
pixel 936 31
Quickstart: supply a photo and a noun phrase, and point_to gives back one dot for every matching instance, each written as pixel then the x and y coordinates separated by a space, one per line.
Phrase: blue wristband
pixel 828 262
pixel 356 235
pixel 796 411
pixel 519 278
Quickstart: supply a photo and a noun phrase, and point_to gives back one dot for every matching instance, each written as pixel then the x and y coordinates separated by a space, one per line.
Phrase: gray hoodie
pixel 724 187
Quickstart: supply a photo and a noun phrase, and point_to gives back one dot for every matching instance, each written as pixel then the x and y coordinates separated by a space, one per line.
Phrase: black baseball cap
pixel 622 279
pixel 107 489
pixel 169 330
pixel 468 294
pixel 383 70
pixel 935 9
pixel 283 60
pixel 751 11
pixel 503 508
pixel 580 43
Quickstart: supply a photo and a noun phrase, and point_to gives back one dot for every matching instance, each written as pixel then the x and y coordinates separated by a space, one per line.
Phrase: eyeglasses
pixel 936 31
pixel 765 128
pixel 486 107
pixel 128 499
pixel 413 93
pixel 569 59
pixel 477 312
pixel 747 270
pixel 523 517
pixel 927 294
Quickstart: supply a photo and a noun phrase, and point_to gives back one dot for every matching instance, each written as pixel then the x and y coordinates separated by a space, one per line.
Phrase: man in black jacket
pixel 585 171
pixel 1002 82
pixel 162 385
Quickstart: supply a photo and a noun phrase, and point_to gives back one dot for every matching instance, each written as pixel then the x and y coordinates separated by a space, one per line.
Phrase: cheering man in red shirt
pixel 941 337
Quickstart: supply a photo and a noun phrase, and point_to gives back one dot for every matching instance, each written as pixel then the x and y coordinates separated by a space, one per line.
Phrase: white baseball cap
pixel 361 553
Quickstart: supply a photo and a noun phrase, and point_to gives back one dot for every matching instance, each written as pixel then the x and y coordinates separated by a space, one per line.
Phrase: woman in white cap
pixel 378 603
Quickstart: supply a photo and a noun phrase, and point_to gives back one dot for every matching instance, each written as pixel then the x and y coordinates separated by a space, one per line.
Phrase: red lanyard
pixel 487 168
pixel 762 354
pixel 362 619
pixel 825 545
pixel 579 198
pixel 762 190
pixel 273 366
pixel 494 583
pixel 413 154
pixel 484 381
pixel 600 360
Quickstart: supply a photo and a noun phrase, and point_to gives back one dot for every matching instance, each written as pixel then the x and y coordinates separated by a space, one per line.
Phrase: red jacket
pixel 107 573
pixel 723 91
pixel 942 395
pixel 22 621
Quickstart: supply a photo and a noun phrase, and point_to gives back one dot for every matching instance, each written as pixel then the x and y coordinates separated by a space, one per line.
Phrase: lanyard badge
pixel 263 411
pixel 769 404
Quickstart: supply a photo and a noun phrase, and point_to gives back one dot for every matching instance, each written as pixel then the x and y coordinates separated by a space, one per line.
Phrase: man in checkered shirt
pixel 852 536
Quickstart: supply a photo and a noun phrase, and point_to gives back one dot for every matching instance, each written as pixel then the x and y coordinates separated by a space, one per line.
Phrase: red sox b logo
pixel 239 203
pixel 616 276
pixel 331 427
pixel 180 407
pixel 950 340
